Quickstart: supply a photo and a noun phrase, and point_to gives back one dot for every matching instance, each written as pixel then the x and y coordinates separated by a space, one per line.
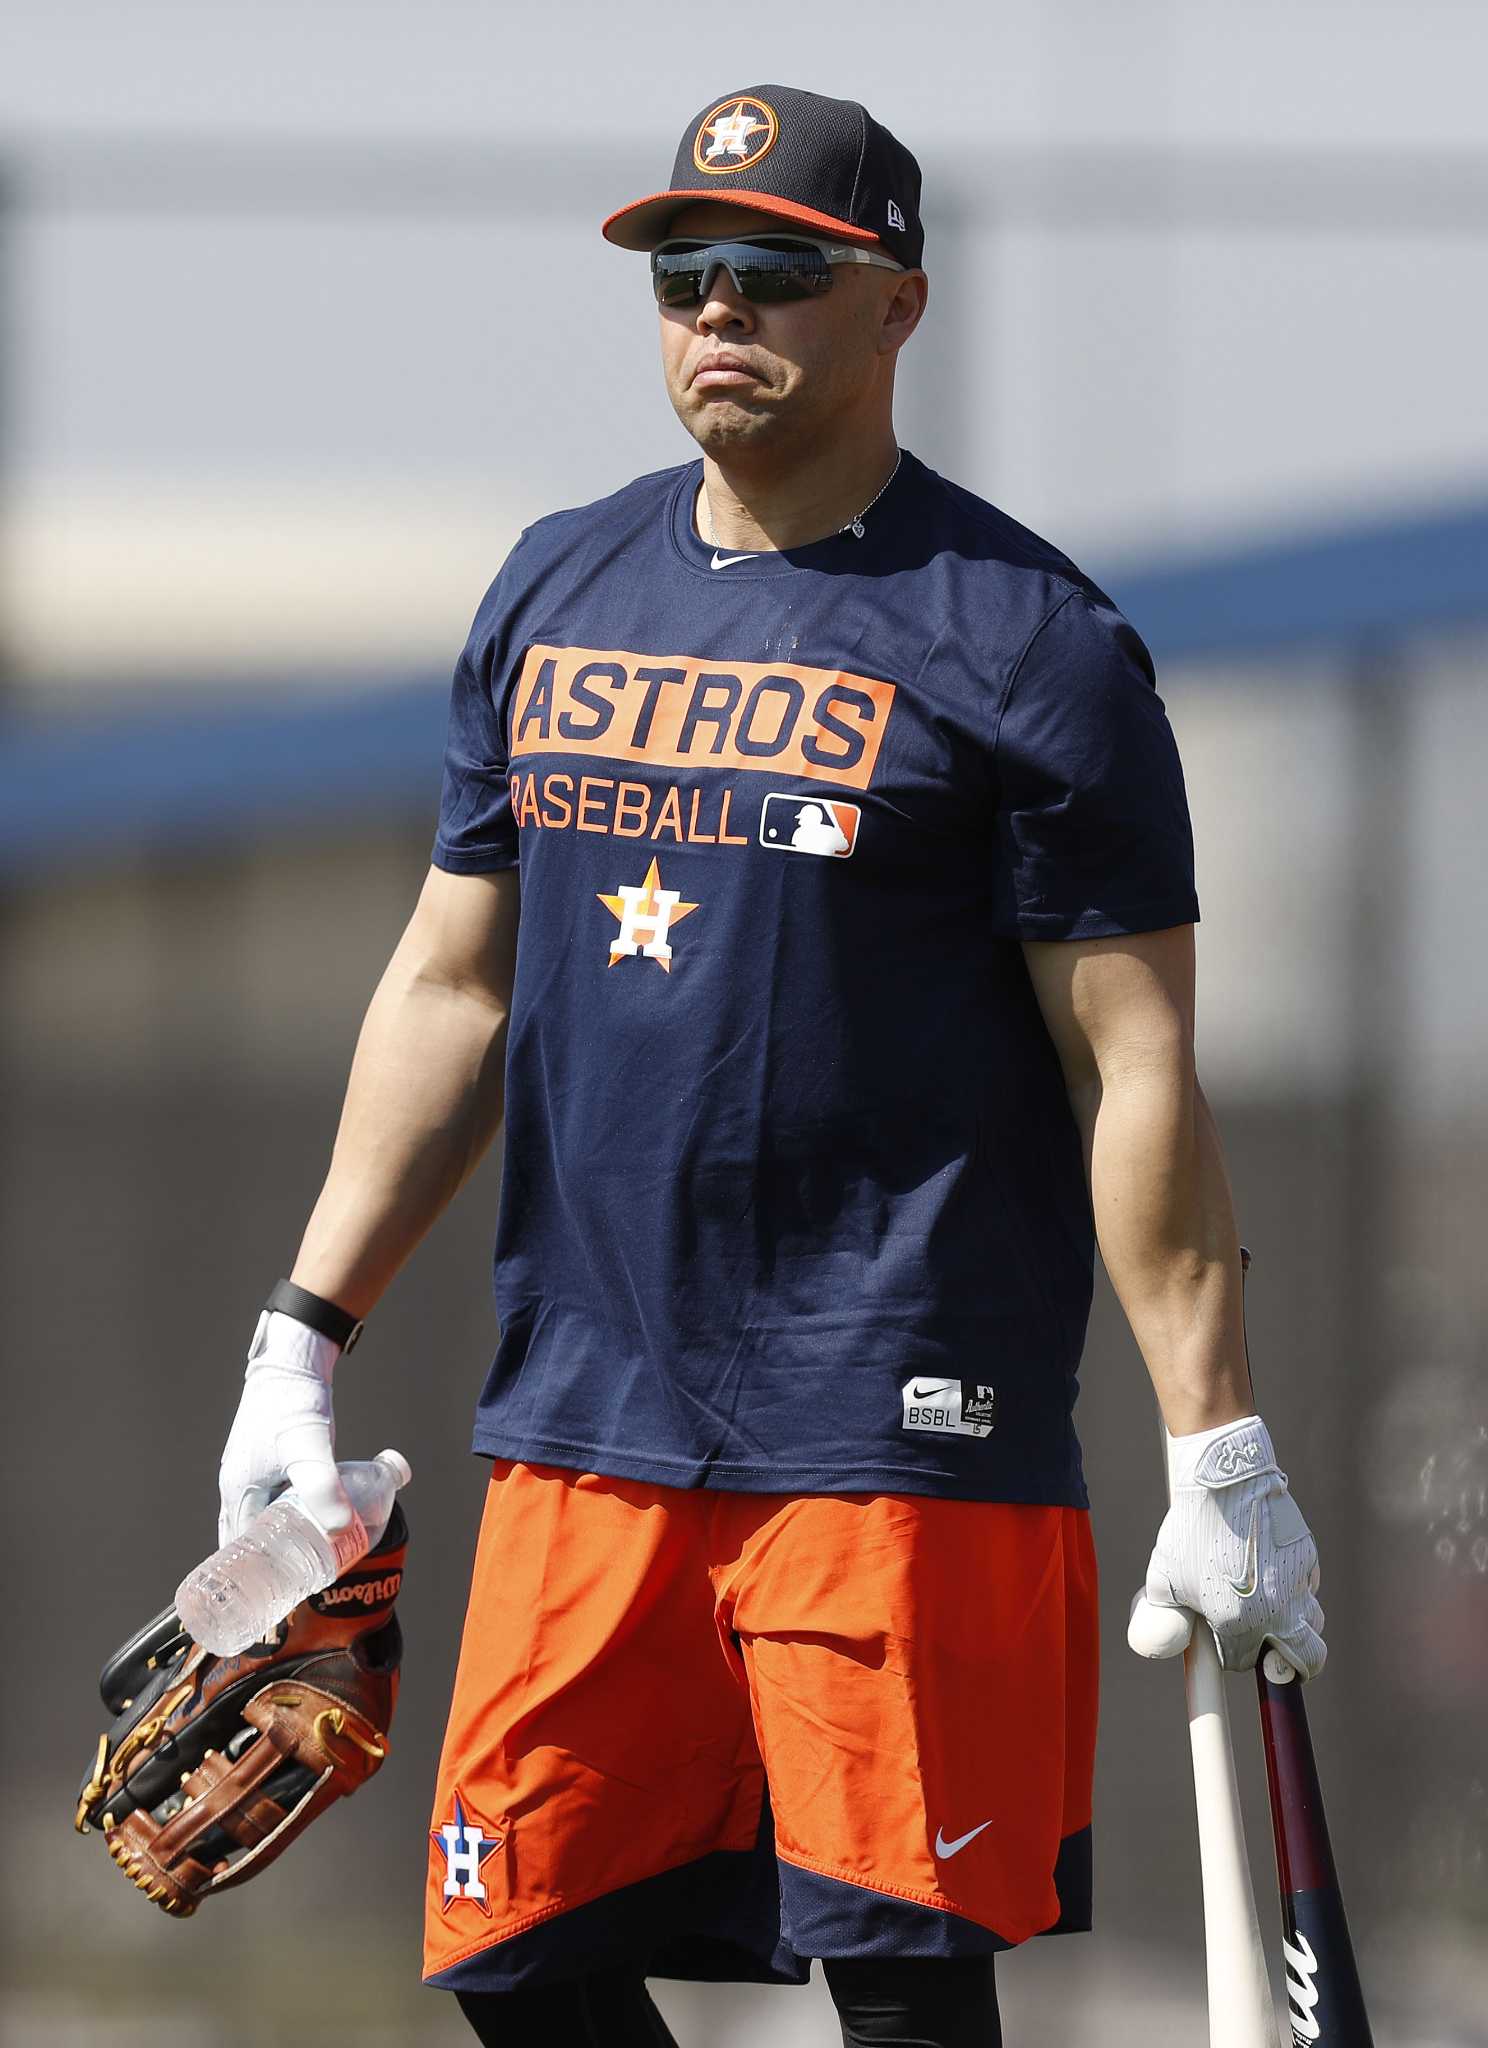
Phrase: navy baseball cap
pixel 824 165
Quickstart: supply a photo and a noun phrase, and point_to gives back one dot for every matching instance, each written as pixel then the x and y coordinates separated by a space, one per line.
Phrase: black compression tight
pixel 610 2009
pixel 881 2001
pixel 915 2001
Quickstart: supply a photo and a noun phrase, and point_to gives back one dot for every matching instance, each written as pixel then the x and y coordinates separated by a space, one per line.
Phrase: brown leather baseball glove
pixel 213 1765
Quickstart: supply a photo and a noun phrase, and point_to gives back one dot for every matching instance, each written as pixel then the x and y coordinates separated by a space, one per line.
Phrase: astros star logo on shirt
pixel 647 913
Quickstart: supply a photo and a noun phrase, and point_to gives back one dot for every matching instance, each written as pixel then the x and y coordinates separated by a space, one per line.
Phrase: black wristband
pixel 317 1314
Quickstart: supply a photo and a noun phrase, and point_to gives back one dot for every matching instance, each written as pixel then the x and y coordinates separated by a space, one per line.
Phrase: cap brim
pixel 644 223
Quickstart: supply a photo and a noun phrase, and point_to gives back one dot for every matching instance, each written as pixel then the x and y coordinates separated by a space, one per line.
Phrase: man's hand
pixel 284 1429
pixel 1233 1549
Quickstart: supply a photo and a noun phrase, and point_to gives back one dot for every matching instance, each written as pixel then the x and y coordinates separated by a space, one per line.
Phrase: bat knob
pixel 1277 1669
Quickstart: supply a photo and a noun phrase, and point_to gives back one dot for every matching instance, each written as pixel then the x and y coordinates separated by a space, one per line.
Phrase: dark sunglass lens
pixel 767 273
pixel 775 287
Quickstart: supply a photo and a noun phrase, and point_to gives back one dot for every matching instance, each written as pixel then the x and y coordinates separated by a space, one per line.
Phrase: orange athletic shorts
pixel 716 1734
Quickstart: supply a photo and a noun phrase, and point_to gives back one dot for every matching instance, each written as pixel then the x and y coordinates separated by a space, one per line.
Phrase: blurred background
pixel 303 313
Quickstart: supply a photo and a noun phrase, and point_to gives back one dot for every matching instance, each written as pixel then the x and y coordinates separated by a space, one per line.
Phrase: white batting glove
pixel 1233 1549
pixel 284 1429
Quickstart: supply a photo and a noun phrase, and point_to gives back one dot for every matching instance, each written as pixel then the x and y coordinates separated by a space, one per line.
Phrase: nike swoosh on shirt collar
pixel 723 561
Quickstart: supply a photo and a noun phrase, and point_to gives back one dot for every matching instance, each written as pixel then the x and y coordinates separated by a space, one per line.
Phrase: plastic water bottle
pixel 245 1589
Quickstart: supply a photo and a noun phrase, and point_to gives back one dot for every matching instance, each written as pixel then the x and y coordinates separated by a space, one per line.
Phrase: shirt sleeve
pixel 477 834
pixel 1092 824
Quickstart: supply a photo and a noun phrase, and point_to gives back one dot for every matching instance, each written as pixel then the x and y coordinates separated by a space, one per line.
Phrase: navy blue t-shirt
pixel 793 1197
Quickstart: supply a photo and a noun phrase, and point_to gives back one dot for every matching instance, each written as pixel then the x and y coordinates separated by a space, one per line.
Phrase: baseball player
pixel 813 899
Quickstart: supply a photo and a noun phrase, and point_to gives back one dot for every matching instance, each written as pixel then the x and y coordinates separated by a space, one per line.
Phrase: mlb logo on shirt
pixel 809 824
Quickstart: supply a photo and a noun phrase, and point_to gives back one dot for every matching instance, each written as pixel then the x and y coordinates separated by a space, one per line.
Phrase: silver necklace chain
pixel 853 526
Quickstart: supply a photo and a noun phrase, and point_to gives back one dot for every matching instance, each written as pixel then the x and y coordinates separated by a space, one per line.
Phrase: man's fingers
pixel 1155 1631
pixel 1303 1646
pixel 318 1484
pixel 239 1506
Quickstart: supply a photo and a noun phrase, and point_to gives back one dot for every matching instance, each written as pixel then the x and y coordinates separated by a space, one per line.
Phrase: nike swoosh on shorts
pixel 943 1848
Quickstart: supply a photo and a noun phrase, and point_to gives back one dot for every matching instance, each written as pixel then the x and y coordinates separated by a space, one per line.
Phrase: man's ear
pixel 903 311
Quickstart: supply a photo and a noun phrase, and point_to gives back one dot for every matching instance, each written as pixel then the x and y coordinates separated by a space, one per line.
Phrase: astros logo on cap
pixel 735 135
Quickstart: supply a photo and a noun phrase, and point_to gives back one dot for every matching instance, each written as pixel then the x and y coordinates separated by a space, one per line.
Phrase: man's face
pixel 742 376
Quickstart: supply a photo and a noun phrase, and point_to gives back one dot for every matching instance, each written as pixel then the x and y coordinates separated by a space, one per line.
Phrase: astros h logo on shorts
pixel 466 1847
pixel 735 135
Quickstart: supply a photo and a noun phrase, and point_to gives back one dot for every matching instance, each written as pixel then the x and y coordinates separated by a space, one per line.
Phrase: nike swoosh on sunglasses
pixel 765 269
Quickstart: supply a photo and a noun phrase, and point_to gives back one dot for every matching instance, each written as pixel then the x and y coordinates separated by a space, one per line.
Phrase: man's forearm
pixel 423 1103
pixel 1165 1222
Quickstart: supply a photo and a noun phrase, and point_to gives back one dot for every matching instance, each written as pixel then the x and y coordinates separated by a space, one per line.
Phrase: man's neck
pixel 757 508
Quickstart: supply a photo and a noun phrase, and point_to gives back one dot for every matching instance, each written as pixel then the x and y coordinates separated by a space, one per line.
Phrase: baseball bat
pixel 1325 2001
pixel 1241 2011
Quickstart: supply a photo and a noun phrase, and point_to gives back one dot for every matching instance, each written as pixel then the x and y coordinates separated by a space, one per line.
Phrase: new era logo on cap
pixel 823 165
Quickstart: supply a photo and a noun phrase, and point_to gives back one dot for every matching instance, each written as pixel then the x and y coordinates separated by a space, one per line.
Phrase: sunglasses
pixel 767 270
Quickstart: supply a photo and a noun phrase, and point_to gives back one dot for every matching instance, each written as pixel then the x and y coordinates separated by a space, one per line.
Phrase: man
pixel 854 977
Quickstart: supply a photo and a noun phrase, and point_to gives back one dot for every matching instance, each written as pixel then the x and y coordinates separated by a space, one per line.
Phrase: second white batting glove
pixel 1233 1550
pixel 284 1429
